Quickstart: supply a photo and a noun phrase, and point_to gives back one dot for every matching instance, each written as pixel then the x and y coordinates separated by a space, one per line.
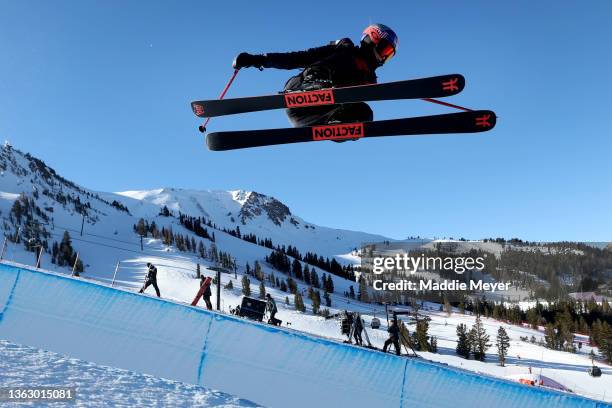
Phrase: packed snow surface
pixel 101 386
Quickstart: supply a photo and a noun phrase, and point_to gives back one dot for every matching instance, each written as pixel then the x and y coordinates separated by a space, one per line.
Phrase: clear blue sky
pixel 100 90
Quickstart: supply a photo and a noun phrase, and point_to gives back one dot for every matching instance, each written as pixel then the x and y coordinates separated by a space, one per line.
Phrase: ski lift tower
pixel 219 270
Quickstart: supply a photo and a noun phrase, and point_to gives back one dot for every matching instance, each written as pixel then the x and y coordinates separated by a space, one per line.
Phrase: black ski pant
pixel 149 282
pixel 323 114
pixel 273 319
pixel 358 338
pixel 395 342
pixel 207 301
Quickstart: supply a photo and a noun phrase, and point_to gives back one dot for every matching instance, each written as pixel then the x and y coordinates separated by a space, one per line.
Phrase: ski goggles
pixel 384 50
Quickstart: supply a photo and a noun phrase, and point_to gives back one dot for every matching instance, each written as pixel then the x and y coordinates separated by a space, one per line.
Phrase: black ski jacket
pixel 207 292
pixel 271 306
pixel 152 274
pixel 393 331
pixel 338 64
pixel 358 324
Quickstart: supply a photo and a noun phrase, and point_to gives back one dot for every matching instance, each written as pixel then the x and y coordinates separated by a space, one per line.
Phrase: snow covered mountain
pixel 37 207
pixel 253 213
pixel 65 203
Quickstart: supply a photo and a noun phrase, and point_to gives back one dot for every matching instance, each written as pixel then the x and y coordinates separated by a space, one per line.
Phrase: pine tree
pixel 201 250
pixel 605 342
pixel 299 302
pixel 140 228
pixel 550 337
pixel 330 284
pixel 480 340
pixel 291 285
pixel 307 275
pixel 17 211
pixel 296 269
pixel 229 285
pixel 351 292
pixel 327 298
pixel 463 342
pixel 421 337
pixel 165 211
pixel 363 290
pixel 532 318
pixel 262 290
pixel 258 271
pixel 54 252
pixel 503 344
pixel 316 301
pixel 65 254
pixel 314 278
pixel 246 286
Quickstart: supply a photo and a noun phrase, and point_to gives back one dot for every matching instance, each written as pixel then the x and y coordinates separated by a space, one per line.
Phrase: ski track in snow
pixel 100 386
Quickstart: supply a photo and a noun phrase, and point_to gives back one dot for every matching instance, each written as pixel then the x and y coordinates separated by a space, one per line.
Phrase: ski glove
pixel 246 60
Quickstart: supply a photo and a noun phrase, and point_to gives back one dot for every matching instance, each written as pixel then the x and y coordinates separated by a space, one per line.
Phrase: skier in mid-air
pixel 338 64
pixel 151 279
pixel 327 99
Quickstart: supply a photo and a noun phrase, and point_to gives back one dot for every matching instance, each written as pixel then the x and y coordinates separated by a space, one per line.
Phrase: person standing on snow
pixel 393 337
pixel 271 308
pixel 339 64
pixel 207 294
pixel 151 279
pixel 357 329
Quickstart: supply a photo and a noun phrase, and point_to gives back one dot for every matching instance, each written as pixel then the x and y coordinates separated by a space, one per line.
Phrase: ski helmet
pixel 382 39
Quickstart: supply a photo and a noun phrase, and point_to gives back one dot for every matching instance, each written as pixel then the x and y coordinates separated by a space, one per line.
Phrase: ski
pixel 432 87
pixel 462 122
pixel 206 283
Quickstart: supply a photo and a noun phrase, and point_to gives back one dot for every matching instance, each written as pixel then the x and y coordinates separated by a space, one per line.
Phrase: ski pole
pixel 450 105
pixel 202 127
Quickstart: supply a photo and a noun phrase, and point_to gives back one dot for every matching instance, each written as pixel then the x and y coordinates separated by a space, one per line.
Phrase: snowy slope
pixel 101 386
pixel 109 238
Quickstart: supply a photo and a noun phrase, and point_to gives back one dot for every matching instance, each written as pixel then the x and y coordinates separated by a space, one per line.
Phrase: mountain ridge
pixel 251 211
